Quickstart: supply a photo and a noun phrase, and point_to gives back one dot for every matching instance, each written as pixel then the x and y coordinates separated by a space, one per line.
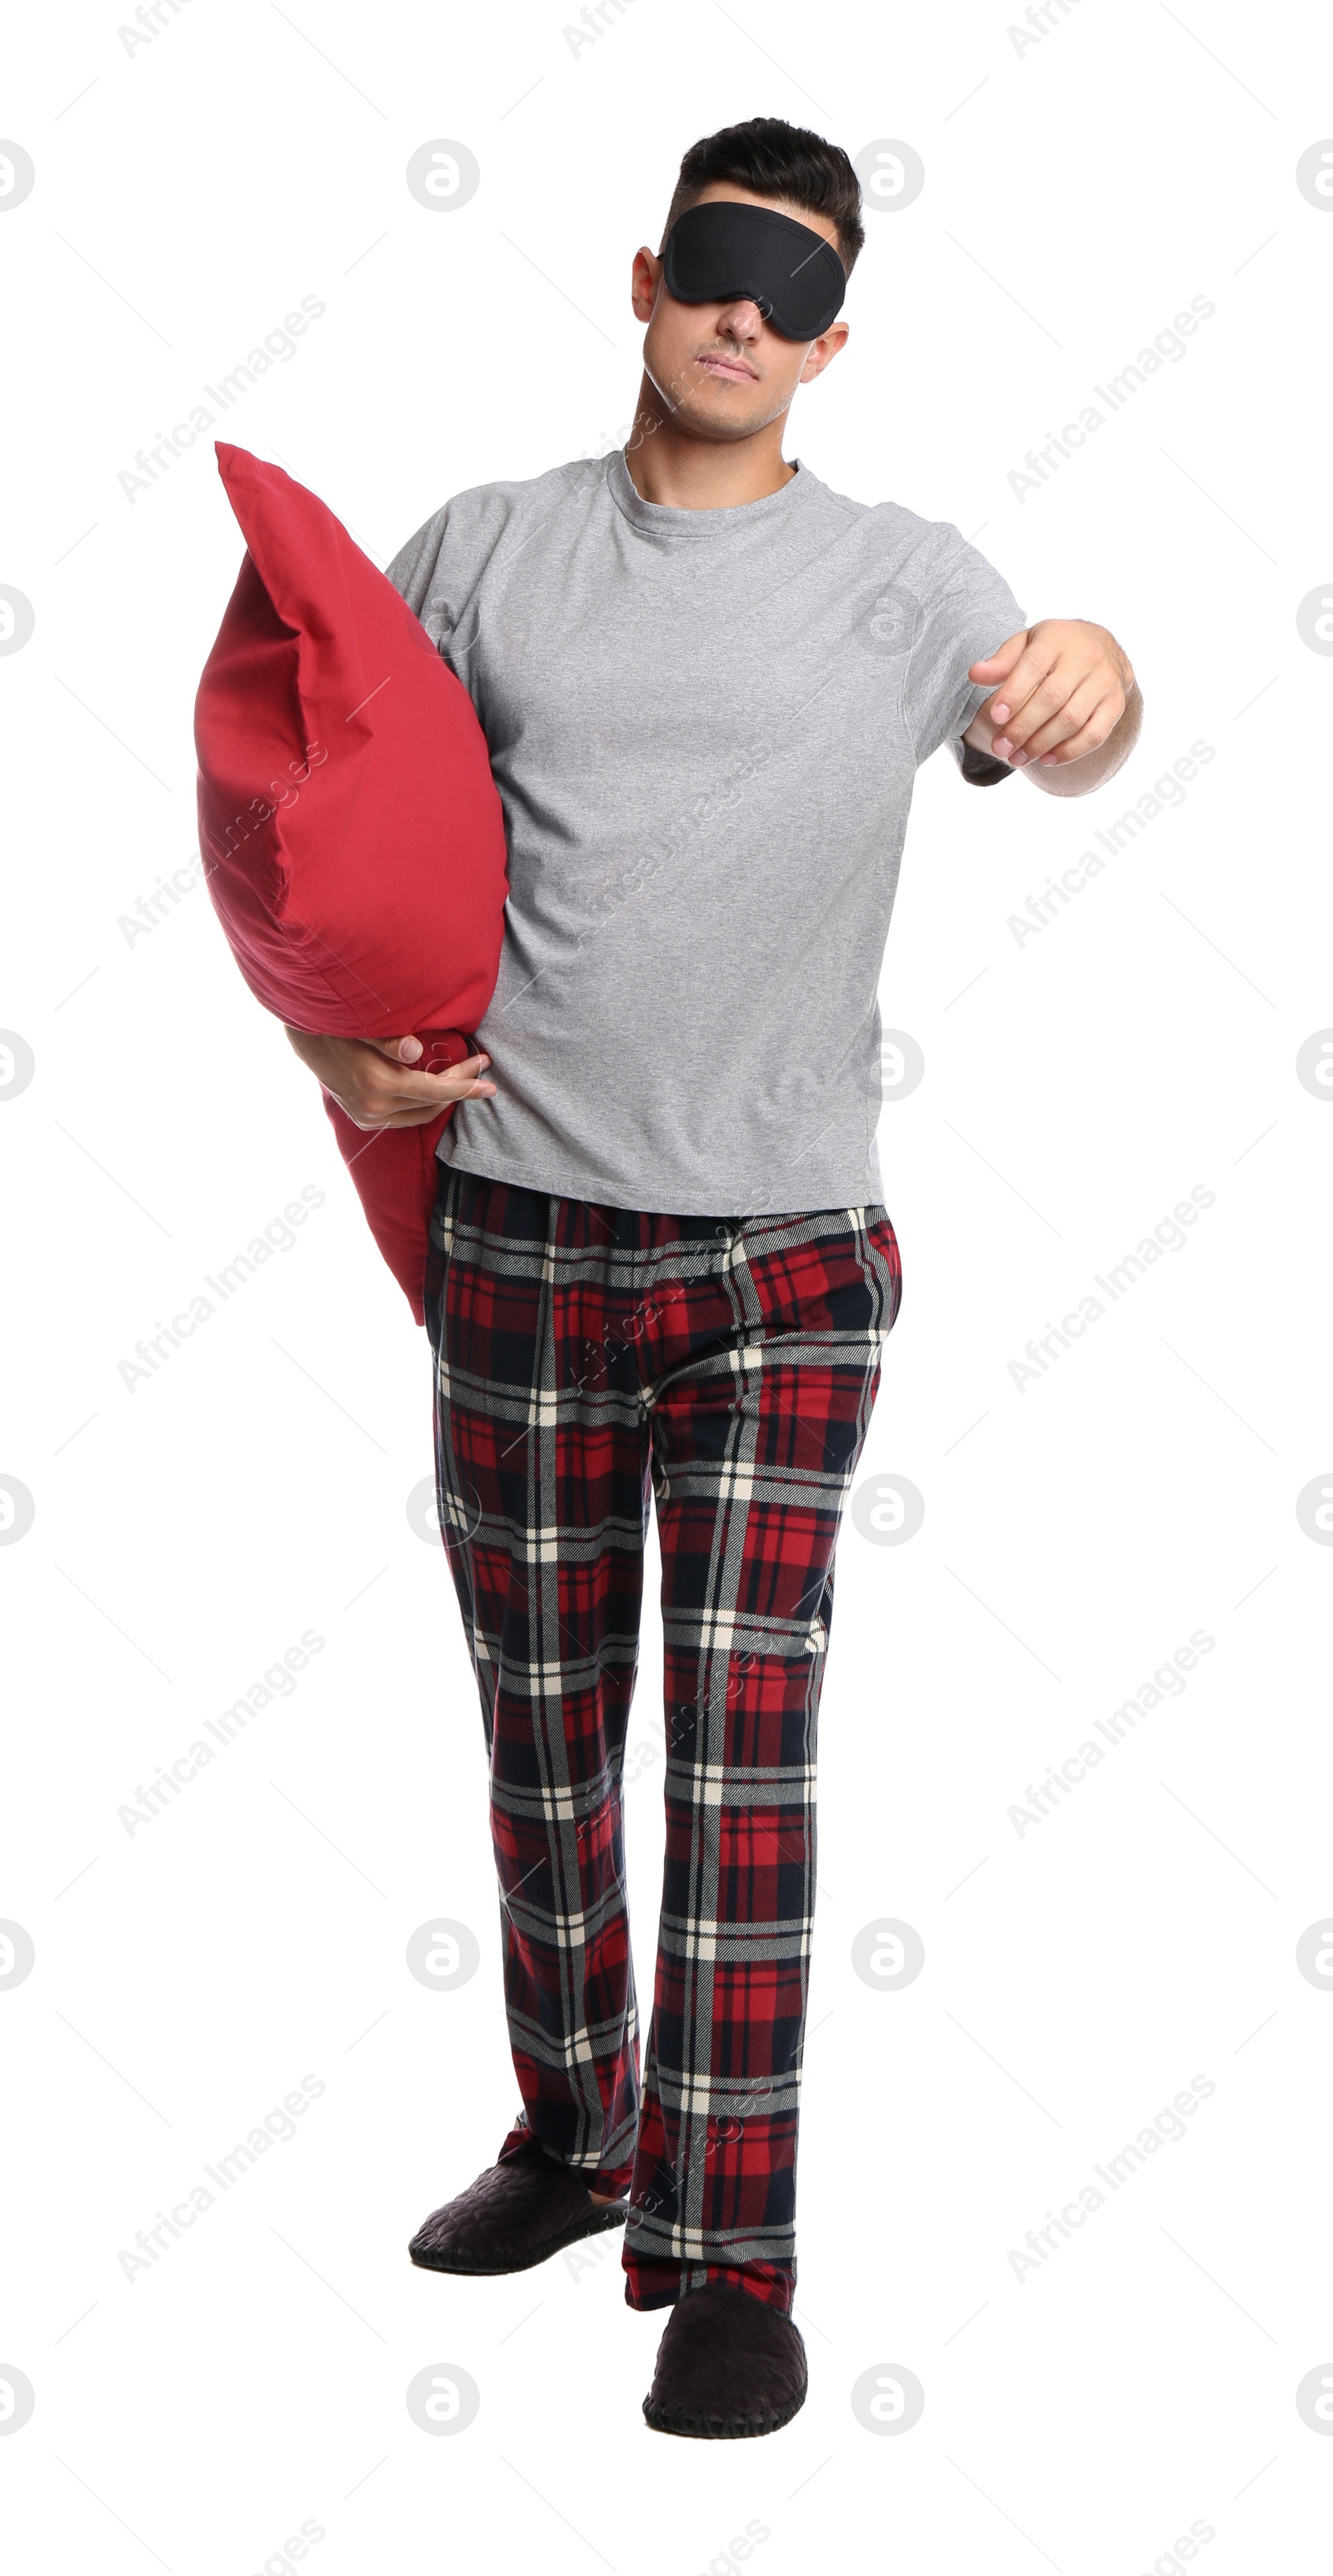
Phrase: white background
pixel 1079 192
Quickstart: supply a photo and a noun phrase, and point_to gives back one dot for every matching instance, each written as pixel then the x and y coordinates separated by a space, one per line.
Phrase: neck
pixel 668 465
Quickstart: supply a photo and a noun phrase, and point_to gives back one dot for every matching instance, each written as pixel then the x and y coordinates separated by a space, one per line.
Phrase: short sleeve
pixel 977 767
pixel 438 570
pixel 965 611
pixel 418 574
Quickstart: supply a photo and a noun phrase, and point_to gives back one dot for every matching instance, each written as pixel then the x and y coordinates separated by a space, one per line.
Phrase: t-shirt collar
pixel 657 518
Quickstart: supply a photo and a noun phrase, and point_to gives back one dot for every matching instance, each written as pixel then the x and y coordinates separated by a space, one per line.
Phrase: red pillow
pixel 349 826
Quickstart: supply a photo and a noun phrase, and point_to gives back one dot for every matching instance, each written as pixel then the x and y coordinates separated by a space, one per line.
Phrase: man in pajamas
pixel 661 1269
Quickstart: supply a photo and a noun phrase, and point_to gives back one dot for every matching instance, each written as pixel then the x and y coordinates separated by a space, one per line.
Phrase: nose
pixel 741 320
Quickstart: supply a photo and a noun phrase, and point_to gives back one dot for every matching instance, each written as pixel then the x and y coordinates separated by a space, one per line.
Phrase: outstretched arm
pixel 1066 705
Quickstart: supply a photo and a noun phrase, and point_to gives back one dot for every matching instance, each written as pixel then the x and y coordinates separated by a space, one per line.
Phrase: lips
pixel 731 370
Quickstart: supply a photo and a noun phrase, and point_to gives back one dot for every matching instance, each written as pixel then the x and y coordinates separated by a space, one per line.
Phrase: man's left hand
pixel 1062 689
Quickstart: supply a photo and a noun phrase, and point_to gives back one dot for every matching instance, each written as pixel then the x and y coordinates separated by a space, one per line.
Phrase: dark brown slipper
pixel 512 2217
pixel 727 2366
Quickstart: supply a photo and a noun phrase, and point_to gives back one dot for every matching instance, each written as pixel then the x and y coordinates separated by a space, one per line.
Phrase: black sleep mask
pixel 719 250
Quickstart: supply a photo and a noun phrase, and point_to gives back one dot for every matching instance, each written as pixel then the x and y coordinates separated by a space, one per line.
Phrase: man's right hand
pixel 372 1081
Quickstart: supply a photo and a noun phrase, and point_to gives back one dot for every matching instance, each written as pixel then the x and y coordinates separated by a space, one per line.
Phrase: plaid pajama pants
pixel 588 1358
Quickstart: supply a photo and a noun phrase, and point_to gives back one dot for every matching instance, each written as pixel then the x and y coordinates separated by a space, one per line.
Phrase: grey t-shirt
pixel 704 726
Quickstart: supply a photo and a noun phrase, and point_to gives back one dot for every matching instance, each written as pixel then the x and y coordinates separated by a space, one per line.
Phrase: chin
pixel 720 418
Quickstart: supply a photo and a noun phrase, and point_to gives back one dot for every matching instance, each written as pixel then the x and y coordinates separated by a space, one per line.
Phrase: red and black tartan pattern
pixel 587 1357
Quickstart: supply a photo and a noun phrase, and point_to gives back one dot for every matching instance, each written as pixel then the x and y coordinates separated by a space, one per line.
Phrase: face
pixel 721 369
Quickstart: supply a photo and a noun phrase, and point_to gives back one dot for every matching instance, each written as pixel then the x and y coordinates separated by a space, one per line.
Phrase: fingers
pixel 1089 715
pixel 1064 689
pixel 999 664
pixel 413 1117
pixel 1072 676
pixel 1077 711
pixel 397 1097
pixel 454 1081
pixel 408 1053
pixel 1020 706
pixel 1090 737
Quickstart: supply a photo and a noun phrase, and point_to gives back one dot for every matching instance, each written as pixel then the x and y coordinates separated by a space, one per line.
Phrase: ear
pixel 644 280
pixel 822 351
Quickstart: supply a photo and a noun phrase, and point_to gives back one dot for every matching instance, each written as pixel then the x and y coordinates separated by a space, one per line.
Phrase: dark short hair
pixel 774 159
